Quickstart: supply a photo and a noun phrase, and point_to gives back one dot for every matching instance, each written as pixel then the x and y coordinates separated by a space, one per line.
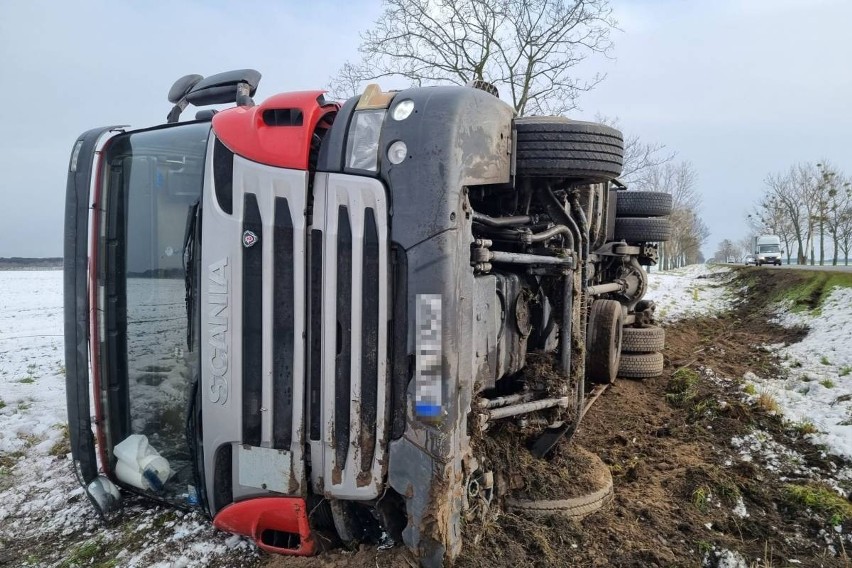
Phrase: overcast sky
pixel 739 88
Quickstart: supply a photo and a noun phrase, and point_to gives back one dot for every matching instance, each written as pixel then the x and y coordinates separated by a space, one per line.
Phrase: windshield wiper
pixel 190 241
pixel 197 496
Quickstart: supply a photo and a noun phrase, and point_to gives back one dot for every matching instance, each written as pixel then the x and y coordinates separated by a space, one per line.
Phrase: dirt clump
pixel 569 471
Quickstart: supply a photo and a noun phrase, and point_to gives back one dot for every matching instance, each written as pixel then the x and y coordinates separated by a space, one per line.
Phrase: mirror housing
pixel 105 497
pixel 229 87
pixel 182 86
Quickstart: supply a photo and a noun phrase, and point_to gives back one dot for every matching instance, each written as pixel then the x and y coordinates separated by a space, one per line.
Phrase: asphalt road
pixel 827 268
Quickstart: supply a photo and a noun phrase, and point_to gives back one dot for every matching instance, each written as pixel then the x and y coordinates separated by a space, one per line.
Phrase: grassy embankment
pixel 802 290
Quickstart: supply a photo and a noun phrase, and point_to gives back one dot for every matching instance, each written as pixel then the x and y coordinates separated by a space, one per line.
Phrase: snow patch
pixel 724 558
pixel 817 385
pixel 740 509
pixel 688 292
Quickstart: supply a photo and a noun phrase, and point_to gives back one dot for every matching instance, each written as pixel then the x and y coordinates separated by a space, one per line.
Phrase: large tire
pixel 643 230
pixel 643 339
pixel 640 365
pixel 576 508
pixel 603 341
pixel 554 146
pixel 643 204
pixel 573 507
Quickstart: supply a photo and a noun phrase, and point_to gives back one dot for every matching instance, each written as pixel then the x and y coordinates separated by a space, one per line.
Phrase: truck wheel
pixel 554 146
pixel 643 204
pixel 575 508
pixel 643 229
pixel 643 339
pixel 640 365
pixel 603 341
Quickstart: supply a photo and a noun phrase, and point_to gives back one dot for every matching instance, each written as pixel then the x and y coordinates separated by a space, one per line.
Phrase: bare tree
pixel 835 197
pixel 746 244
pixel 804 205
pixel 844 231
pixel 347 83
pixel 795 195
pixel 640 157
pixel 769 217
pixel 679 179
pixel 688 230
pixel 529 48
pixel 728 251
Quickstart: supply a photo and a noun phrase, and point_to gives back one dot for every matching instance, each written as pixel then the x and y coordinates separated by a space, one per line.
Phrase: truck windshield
pixel 152 188
pixel 769 248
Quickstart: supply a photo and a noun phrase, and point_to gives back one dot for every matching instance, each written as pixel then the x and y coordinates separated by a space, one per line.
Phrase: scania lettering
pixel 218 331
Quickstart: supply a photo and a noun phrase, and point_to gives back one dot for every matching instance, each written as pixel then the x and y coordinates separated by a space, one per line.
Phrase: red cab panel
pixel 277 524
pixel 279 131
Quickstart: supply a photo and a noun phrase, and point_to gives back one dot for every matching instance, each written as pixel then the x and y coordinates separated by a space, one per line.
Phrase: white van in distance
pixel 768 250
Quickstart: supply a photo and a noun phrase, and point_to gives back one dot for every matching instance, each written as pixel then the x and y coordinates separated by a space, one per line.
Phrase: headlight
pixel 428 366
pixel 362 145
pixel 403 109
pixel 397 152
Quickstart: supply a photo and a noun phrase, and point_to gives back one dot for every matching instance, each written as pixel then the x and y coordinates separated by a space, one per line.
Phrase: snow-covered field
pixel 817 387
pixel 687 292
pixel 40 499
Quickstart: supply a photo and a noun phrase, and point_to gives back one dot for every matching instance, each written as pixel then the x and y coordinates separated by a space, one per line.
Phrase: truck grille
pixel 253 339
pixel 295 348
pixel 283 325
pixel 349 435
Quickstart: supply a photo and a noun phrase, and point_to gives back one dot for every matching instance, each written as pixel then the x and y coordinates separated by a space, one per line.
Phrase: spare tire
pixel 643 229
pixel 643 339
pixel 641 365
pixel 598 495
pixel 643 204
pixel 554 146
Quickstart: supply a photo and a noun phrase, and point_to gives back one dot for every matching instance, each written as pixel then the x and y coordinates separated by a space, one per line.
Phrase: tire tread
pixel 641 365
pixel 643 339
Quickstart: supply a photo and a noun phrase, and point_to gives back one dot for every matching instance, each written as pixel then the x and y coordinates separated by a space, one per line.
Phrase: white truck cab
pixel 767 249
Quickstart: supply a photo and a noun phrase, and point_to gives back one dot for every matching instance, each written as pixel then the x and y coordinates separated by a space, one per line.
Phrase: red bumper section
pixel 277 524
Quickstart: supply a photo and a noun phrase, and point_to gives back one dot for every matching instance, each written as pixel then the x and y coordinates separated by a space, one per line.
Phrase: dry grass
pixel 766 402
pixel 805 427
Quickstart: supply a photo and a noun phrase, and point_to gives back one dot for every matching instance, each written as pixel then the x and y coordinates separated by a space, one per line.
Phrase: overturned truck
pixel 299 315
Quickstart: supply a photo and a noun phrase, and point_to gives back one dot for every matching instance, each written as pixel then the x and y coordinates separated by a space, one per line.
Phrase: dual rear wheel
pixel 613 350
pixel 642 216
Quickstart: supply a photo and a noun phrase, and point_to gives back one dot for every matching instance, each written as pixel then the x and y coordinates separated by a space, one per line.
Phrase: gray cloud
pixel 740 88
pixel 66 67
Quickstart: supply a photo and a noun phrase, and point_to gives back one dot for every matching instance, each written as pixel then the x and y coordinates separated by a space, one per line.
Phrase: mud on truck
pixel 305 318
